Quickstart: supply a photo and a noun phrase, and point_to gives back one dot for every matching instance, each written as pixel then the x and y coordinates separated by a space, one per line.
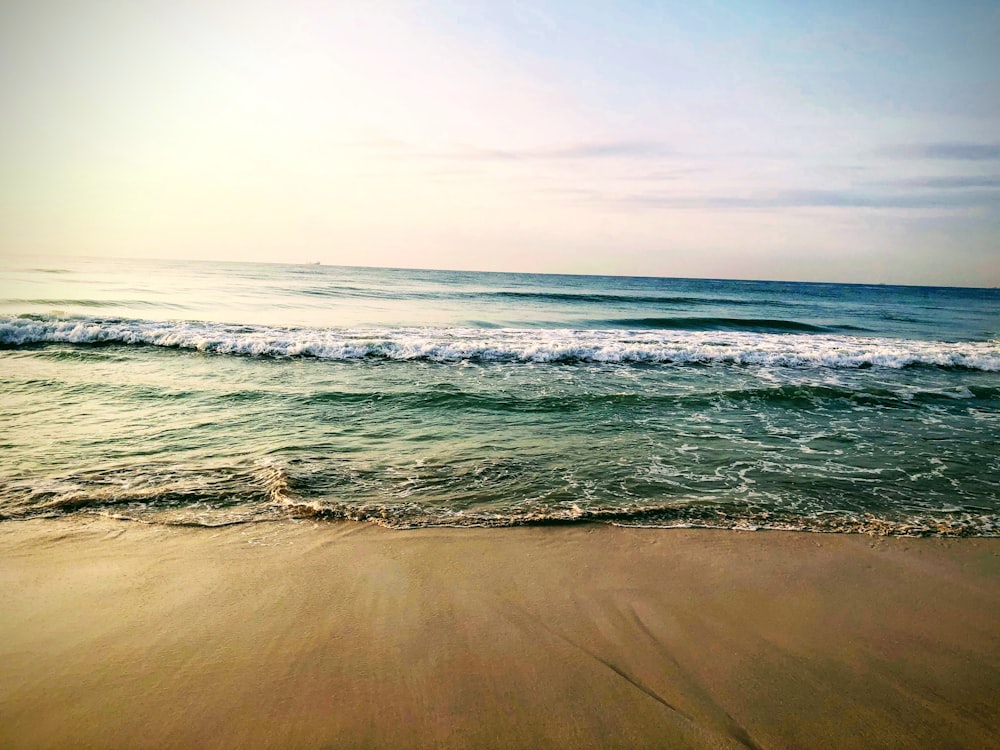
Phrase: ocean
pixel 202 393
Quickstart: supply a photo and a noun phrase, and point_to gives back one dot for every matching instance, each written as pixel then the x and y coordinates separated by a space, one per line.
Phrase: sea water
pixel 216 393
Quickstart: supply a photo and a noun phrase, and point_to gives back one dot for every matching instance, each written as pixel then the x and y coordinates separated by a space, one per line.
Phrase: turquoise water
pixel 206 393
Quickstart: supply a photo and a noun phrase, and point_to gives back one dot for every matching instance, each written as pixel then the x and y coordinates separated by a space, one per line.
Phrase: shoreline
pixel 302 634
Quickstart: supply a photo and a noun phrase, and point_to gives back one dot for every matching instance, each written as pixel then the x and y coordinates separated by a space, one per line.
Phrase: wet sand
pixel 122 635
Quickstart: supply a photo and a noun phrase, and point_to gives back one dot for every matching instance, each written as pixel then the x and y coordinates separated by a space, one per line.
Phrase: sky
pixel 820 141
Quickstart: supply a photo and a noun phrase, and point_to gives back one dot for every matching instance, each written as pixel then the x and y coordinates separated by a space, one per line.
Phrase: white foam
pixel 513 345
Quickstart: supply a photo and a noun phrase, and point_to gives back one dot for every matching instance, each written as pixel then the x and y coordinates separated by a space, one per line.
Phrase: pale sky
pixel 825 141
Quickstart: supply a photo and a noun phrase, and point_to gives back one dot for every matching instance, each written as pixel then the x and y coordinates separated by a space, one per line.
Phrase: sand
pixel 298 635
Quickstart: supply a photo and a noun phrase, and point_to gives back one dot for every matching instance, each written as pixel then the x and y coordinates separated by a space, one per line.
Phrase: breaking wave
pixel 660 346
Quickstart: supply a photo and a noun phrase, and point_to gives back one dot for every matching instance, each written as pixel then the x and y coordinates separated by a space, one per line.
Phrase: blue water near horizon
pixel 206 393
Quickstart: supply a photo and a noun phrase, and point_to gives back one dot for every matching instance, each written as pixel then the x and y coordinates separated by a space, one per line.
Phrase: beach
pixel 296 635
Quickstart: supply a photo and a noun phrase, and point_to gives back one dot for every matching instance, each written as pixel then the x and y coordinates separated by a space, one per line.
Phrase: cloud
pixel 613 149
pixel 949 183
pixel 581 151
pixel 790 199
pixel 950 150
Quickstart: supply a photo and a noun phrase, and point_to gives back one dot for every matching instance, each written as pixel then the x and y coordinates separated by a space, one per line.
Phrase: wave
pixel 507 345
pixel 665 516
pixel 730 324
pixel 784 395
pixel 636 299
pixel 458 401
pixel 158 493
pixel 91 303
pixel 571 298
pixel 267 493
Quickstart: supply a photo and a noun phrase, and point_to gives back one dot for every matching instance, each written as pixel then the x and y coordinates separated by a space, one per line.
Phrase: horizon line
pixel 323 264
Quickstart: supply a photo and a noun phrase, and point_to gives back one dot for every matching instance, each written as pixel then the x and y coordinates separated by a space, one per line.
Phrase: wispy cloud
pixel 606 150
pixel 623 149
pixel 948 150
pixel 789 199
pixel 949 183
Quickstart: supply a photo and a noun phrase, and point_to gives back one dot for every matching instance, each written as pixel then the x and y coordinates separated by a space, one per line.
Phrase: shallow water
pixel 212 393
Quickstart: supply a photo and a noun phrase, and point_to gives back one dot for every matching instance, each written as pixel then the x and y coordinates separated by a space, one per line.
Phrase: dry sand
pixel 119 635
